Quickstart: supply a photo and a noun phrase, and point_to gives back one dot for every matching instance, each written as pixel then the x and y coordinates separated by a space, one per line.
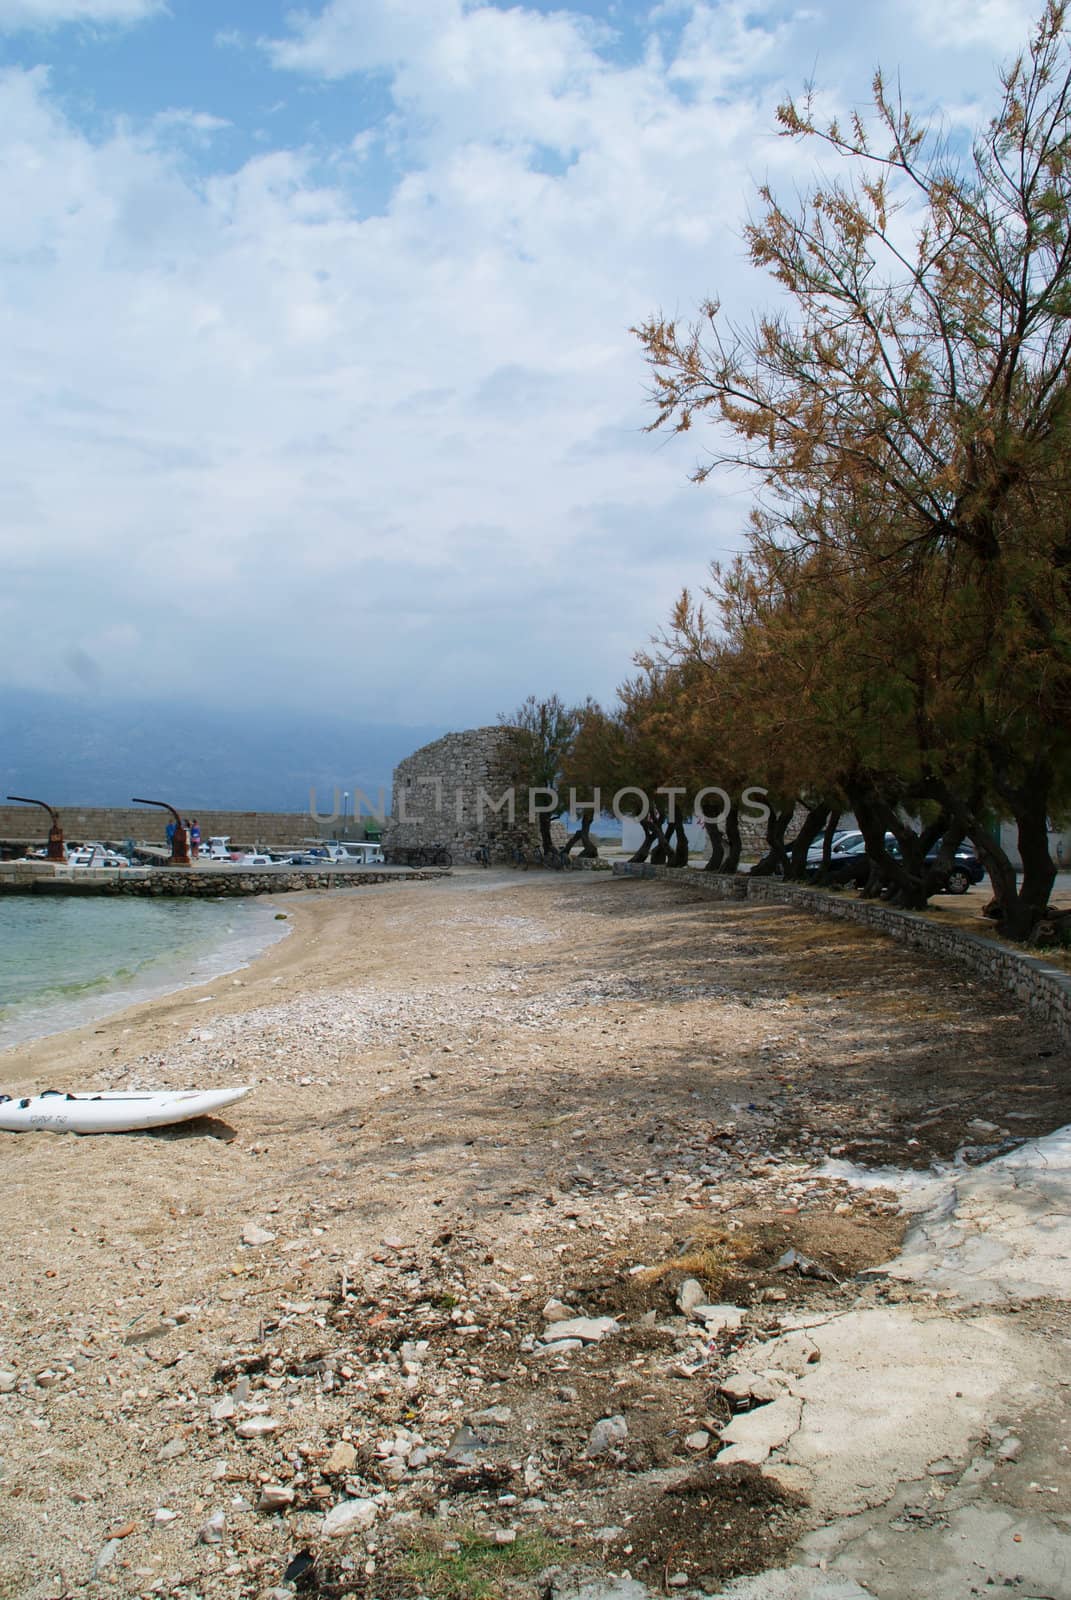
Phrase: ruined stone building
pixel 459 792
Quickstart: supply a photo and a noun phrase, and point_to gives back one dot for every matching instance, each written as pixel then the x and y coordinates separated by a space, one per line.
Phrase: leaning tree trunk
pixel 662 851
pixel 774 863
pixel 582 836
pixel 679 852
pixel 813 824
pixel 650 836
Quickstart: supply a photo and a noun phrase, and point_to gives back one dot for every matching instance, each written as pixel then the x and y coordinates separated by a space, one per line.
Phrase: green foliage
pixel 469 1566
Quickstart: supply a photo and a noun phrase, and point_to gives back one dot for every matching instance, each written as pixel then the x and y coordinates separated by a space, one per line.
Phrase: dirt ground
pixel 473 1097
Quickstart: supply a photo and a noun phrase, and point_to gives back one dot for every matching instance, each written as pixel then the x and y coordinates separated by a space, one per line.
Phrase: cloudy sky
pixel 318 387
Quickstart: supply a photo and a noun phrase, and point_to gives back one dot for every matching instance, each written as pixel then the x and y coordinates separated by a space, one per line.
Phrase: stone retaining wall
pixel 176 882
pixel 1045 988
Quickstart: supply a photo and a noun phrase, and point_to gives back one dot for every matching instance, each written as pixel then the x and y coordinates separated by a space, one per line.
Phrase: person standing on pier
pixel 195 839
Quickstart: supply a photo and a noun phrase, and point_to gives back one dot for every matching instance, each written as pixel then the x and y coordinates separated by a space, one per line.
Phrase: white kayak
pixel 114 1111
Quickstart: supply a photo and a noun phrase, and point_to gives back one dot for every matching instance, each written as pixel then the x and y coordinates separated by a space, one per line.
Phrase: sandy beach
pixel 472 1096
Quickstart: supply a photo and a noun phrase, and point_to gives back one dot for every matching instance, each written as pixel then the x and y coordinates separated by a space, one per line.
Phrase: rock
pixel 254 1235
pixel 589 1329
pixel 275 1497
pixel 698 1440
pixel 606 1435
pixel 464 1447
pixel 340 1458
pixel 163 1516
pixel 559 1347
pixel 557 1311
pixel 691 1293
pixel 349 1516
pixel 257 1427
pixel 493 1417
pixel 105 1556
pixel 1011 1449
pixel 9 1381
pixel 122 1530
pixel 750 1437
pixel 212 1531
pixel 172 1449
pixel 754 1388
pixel 796 1261
pixel 715 1318
pixel 505 1535
pixel 223 1409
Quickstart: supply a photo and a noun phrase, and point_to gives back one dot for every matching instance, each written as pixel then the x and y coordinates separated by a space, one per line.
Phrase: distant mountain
pixel 71 749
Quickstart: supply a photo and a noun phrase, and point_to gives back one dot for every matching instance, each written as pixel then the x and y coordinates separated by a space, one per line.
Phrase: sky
pixel 319 390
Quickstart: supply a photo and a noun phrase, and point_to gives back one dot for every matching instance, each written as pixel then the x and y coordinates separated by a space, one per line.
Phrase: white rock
pixel 560 1347
pixel 223 1409
pixel 254 1235
pixel 750 1437
pixel 607 1434
pixel 698 1440
pixel 505 1535
pixel 715 1318
pixel 8 1381
pixel 349 1516
pixel 691 1293
pixel 105 1556
pixel 163 1516
pixel 212 1531
pixel 275 1497
pixel 759 1387
pixel 256 1427
pixel 589 1329
pixel 556 1311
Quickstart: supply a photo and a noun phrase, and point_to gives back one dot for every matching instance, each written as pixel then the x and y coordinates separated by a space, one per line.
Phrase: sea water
pixel 66 961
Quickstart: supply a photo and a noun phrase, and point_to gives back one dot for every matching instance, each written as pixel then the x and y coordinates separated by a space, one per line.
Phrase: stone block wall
pixel 146 825
pixel 445 794
pixel 1036 983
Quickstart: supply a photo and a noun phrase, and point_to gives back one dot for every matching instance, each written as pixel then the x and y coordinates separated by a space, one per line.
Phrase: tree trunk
pixel 717 847
pixel 582 836
pixel 732 839
pixel 662 852
pixel 827 840
pixel 680 850
pixel 650 835
pixel 774 863
pixel 813 824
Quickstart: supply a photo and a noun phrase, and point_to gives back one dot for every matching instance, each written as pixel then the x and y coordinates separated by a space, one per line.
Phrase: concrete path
pixel 934 1437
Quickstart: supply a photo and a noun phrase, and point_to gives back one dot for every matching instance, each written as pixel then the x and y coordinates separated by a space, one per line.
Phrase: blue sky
pixel 318 377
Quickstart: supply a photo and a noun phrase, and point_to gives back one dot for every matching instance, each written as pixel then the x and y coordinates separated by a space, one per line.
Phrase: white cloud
pixel 997 25
pixel 18 14
pixel 264 434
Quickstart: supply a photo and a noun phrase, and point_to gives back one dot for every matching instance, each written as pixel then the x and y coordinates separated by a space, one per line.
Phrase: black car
pixel 854 866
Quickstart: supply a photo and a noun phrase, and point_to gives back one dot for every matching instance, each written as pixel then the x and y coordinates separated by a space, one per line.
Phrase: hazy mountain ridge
pixel 77 750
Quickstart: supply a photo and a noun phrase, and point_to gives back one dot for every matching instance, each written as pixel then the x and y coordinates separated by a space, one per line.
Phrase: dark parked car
pixel 853 866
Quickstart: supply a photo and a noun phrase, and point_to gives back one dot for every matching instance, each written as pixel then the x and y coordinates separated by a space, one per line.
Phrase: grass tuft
pixel 712 1256
pixel 469 1566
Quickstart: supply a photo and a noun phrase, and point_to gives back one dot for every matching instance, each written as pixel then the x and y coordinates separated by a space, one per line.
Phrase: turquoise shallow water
pixel 67 961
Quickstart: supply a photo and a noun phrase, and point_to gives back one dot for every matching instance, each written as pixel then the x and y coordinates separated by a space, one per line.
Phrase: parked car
pixel 853 866
pixel 844 839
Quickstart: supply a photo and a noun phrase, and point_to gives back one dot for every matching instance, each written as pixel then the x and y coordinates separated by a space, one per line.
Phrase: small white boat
pixel 113 1111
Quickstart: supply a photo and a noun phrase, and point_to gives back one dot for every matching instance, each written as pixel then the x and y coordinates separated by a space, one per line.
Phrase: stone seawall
pixel 176 882
pixel 19 824
pixel 1044 988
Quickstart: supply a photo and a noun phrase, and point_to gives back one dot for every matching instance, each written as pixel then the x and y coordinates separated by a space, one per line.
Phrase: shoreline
pixel 146 1015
